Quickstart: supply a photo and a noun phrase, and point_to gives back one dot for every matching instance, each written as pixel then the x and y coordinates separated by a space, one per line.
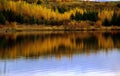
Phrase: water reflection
pixel 56 44
pixel 67 53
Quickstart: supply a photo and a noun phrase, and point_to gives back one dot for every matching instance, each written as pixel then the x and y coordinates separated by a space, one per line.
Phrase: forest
pixel 65 13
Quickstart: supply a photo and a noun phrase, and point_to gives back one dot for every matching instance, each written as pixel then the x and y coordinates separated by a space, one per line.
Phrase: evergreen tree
pixel 106 22
pixel 32 20
pixel 20 19
pixel 114 19
pixel 72 17
pixel 2 19
pixel 78 16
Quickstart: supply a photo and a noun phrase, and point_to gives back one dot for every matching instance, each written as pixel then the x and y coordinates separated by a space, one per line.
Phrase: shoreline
pixel 28 28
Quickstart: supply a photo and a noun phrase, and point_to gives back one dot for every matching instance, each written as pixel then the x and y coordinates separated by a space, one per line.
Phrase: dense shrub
pixel 20 19
pixel 118 5
pixel 39 2
pixel 106 22
pixel 115 21
pixel 32 20
pixel 72 17
pixel 78 16
pixel 61 9
pixel 91 16
pixel 2 19
pixel 9 15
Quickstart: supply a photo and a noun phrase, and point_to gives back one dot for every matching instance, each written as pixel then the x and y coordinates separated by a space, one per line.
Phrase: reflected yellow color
pixel 58 44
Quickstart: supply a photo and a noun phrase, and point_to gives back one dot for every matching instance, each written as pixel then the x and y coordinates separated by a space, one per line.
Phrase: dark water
pixel 60 54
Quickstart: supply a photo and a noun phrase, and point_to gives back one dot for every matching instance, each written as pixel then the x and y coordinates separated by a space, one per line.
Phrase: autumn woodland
pixel 59 13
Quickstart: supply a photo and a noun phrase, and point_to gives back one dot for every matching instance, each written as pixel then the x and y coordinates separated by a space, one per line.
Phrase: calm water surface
pixel 60 54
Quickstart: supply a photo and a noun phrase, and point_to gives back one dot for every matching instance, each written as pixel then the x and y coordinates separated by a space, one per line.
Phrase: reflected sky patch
pixel 100 64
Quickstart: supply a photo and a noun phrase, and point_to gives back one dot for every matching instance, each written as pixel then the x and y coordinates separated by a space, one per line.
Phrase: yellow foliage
pixel 39 11
pixel 105 14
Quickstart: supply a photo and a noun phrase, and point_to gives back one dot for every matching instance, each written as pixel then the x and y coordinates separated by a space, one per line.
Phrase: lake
pixel 60 53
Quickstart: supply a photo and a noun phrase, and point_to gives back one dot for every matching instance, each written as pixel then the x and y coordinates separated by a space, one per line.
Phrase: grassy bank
pixel 30 28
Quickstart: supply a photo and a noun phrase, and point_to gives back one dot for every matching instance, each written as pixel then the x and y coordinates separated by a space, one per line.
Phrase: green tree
pixel 32 20
pixel 19 19
pixel 78 16
pixel 2 19
pixel 106 22
pixel 39 2
pixel 118 5
pixel 61 9
pixel 72 17
pixel 92 16
pixel 114 19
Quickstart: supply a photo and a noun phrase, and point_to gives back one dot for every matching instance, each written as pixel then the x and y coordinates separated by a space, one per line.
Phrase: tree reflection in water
pixel 58 44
